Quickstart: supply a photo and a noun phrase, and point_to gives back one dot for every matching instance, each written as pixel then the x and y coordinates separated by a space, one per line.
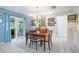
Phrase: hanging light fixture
pixel 37 11
pixel 37 16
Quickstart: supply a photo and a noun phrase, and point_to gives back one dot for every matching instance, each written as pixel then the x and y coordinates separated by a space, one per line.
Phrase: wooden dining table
pixel 40 34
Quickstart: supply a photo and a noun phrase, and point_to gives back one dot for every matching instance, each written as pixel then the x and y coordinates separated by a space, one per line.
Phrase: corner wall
pixel 5 33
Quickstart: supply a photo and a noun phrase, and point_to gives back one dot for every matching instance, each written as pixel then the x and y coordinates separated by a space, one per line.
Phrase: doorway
pixel 20 27
pixel 16 27
pixel 12 27
pixel 62 26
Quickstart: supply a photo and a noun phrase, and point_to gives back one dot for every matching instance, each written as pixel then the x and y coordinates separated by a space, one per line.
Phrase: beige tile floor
pixel 60 45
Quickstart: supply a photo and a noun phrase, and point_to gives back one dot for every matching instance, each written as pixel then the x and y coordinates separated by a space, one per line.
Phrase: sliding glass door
pixel 12 27
pixel 20 27
pixel 16 27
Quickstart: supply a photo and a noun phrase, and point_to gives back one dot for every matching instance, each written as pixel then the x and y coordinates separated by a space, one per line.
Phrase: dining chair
pixel 35 40
pixel 42 31
pixel 27 34
pixel 49 39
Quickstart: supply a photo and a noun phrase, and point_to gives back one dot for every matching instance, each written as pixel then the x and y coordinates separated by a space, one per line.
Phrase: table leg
pixel 41 43
pixel 44 44
pixel 26 37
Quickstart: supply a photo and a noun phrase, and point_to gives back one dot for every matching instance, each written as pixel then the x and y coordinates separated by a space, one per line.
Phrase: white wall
pixel 73 35
pixel 55 15
pixel 62 26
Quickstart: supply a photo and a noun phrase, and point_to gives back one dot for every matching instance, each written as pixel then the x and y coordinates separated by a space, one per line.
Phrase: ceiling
pixel 42 10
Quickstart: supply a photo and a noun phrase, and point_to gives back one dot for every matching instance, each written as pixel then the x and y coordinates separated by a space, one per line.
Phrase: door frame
pixel 16 20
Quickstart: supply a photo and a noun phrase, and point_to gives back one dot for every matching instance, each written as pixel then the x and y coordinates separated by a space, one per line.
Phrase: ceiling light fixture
pixel 37 15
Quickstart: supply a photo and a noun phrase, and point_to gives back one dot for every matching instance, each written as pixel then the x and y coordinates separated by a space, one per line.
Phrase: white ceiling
pixel 42 10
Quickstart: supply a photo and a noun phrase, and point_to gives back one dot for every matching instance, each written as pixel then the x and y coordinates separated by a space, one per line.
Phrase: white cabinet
pixel 74 37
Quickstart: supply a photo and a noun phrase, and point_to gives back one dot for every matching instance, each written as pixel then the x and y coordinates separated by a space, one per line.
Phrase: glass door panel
pixel 12 27
pixel 20 28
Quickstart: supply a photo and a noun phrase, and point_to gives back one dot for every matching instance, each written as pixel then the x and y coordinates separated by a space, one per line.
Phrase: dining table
pixel 40 34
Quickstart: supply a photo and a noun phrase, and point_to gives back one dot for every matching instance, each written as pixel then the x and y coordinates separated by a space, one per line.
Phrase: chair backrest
pixel 43 30
pixel 50 35
pixel 30 36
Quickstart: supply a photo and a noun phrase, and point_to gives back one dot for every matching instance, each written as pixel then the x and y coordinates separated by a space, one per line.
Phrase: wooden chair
pixel 34 39
pixel 27 36
pixel 49 39
pixel 42 31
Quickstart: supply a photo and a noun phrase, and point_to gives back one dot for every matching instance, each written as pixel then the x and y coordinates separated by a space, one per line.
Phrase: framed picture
pixel 32 22
pixel 40 22
pixel 72 18
pixel 51 21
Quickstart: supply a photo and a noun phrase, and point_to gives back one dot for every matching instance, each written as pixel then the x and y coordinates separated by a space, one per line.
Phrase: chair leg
pixel 49 45
pixel 36 45
pixel 26 38
pixel 26 41
pixel 44 44
pixel 41 43
pixel 30 43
